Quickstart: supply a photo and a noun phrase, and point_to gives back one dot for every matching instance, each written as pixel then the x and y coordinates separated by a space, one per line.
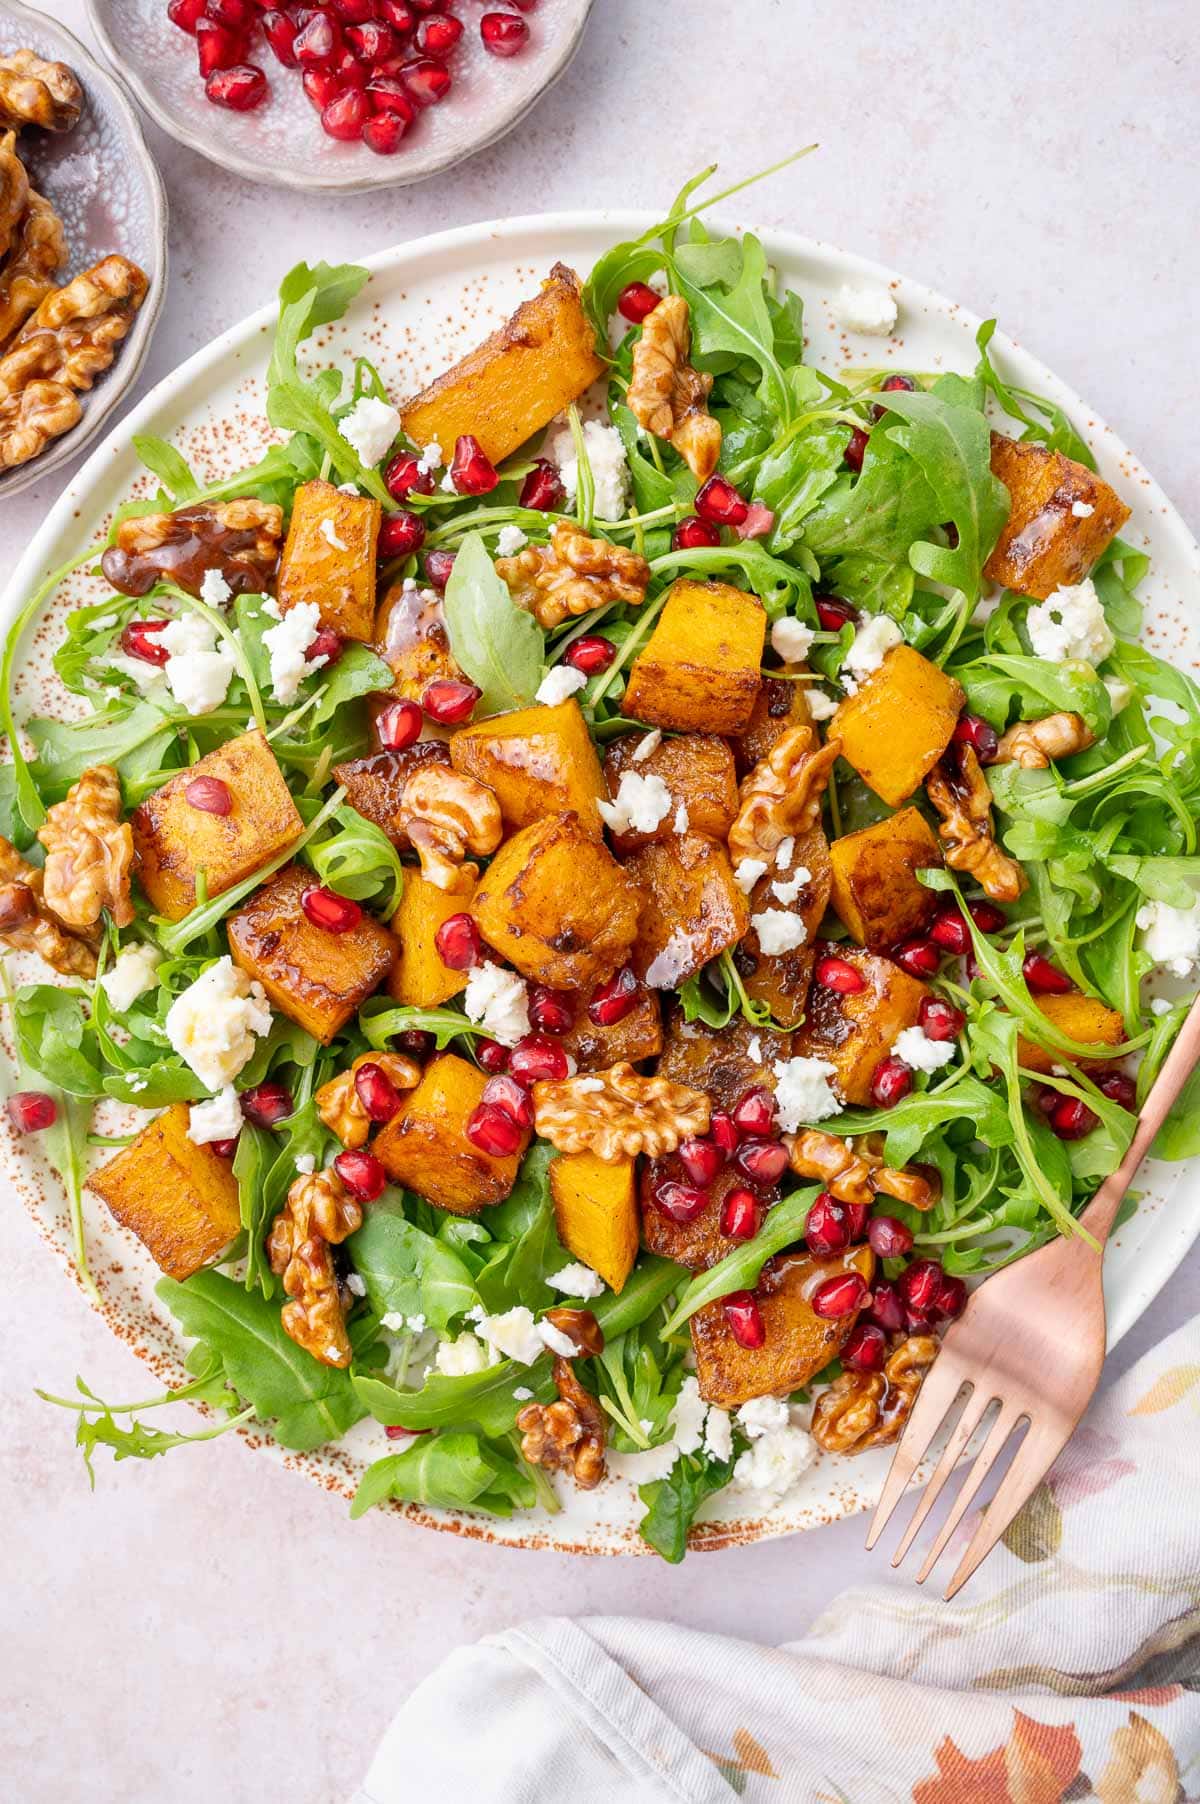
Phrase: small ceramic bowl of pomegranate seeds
pixel 343 96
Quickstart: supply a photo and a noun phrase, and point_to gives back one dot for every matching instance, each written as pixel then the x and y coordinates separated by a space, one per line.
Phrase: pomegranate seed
pixel 550 1011
pixel 450 702
pixel 237 14
pixel 216 46
pixel 758 522
pixel 387 96
pixel 722 1130
pixel 744 1317
pixel 591 654
pixel 503 34
pixel 889 1238
pixel 1043 978
pixel 399 725
pixel 470 471
pixel 920 958
pixel 897 382
pixel 186 14
pixel 317 42
pixel 321 86
pixel 543 488
pixel 614 999
pixel 987 917
pixel 376 1092
pixel 267 1104
pixel 403 533
pixel 349 71
pixel 856 448
pixel 891 1083
pixel 636 301
pixel 1071 1119
pixel 839 1296
pixel 866 1349
pixel 838 974
pixel 399 15
pixel 510 1097
pixel 834 614
pixel 437 37
pixel 701 1159
pixel 887 1307
pixel 681 1203
pixel 224 1149
pixel 762 1161
pixel 372 40
pixel 856 1216
pixel 491 1055
pixel 32 1110
pixel 950 931
pixel 538 1059
pixel 426 82
pixel 1119 1087
pixel 720 504
pixel 972 729
pixel 241 88
pixel 209 795
pixel 525 6
pixel 694 534
pixel 417 1042
pixel 755 1113
pixel 394 1432
pixel 438 565
pixel 739 1215
pixel 951 1298
pixel 344 119
pixel 354 12
pixel 404 475
pixel 1046 1098
pixel 826 1229
pixel 429 6
pixel 280 34
pixel 940 1020
pixel 329 911
pixel 327 645
pixel 362 1174
pixel 458 943
pixel 919 1283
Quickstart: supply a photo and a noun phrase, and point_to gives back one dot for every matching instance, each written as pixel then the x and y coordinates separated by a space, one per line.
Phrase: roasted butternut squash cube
pixel 636 1036
pixel 779 706
pixel 855 1032
pixel 329 557
pixel 425 1146
pixel 411 636
pixel 596 1211
pixel 537 761
pixel 418 978
pixel 173 842
pixel 1045 544
pixel 1080 1017
pixel 692 908
pixel 316 978
pixel 782 979
pixel 699 671
pixel 180 1199
pixel 556 904
pixel 798 1343
pixel 898 724
pixel 697 769
pixel 875 889
pixel 375 784
pixel 517 380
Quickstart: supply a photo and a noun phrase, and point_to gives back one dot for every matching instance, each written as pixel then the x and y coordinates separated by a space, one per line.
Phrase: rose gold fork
pixel 1032 1340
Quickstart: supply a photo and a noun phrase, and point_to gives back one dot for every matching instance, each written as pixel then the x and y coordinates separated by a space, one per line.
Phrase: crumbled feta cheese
pixel 1160 1005
pixel 306 1163
pixel 432 458
pixel 559 682
pixel 639 805
pixel 148 677
pixel 763 1415
pixel 212 1024
pixel 286 645
pixel 821 704
pixel 214 589
pixel 197 670
pixel 447 484
pixel 778 931
pixel 509 541
pixel 105 621
pixel 787 892
pixel 606 455
pixel 498 1001
pixel 687 1417
pixel 791 639
pixel 456 1358
pixel 355 1285
pixel 1120 693
pixel 683 819
pixel 747 873
pixel 718 1434
pixel 415 1324
pixel 1070 623
pixel 1171 936
pixel 915 1049
pixel 785 851
pixel 577 1280
pixel 802 1092
pixel 131 976
pixel 668 966
pixel 754 1050
pixel 328 532
pixel 1082 510
pixel 393 1321
pixel 873 639
pixel 522 1393
pixel 649 742
pixel 370 427
pixel 866 307
pixel 347 488
pixel 219 1119
pixel 513 1334
pixel 555 1341
pixel 771 1465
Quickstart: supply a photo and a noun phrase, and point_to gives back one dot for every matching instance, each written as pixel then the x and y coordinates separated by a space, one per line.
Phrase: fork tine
pixel 934 1399
pixel 1038 1451
pixel 986 1458
pixel 972 1414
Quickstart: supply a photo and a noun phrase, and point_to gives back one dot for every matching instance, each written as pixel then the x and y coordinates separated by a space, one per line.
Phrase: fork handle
pixel 1178 1066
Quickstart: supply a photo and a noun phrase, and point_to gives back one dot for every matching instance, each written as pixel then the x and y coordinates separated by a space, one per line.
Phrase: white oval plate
pixel 426 304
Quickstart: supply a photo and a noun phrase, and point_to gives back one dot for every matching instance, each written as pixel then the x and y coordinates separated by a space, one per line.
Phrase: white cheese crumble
pixel 498 1001
pixel 214 589
pixel 213 1024
pixel 687 1417
pixel 432 458
pixel 559 682
pixel 866 307
pixel 649 742
pixel 785 851
pixel 778 931
pixel 286 645
pixel 555 1341
pixel 754 1050
pixel 197 670
pixel 219 1119
pixel 509 541
pixel 683 819
pixel 1160 1005
pixel 791 639
pixel 787 892
pixel 747 873
pixel 916 1050
pixel 762 1415
pixel 131 976
pixel 370 427
pixel 522 1393
pixel 640 804
pixel 1171 936
pixel 718 1434
pixel 1070 624
pixel 1120 693
pixel 456 1358
pixel 328 532
pixel 771 1465
pixel 874 638
pixel 577 1280
pixel 357 1286
pixel 821 704
pixel 306 1163
pixel 668 966
pixel 606 455
pixel 515 1335
pixel 1082 510
pixel 802 1092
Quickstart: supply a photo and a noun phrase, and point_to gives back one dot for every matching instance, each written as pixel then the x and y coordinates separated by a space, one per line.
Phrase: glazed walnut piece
pixel 14 190
pixel 240 539
pixel 36 92
pixel 1035 744
pixel 89 853
pixel 666 395
pixel 27 925
pixel 856 1173
pixel 31 419
pixel 964 801
pixel 341 1107
pixel 572 575
pixel 38 252
pixel 618 1113
pixel 869 1409
pixel 447 814
pixel 74 334
pixel 568 1434
pixel 781 797
pixel 319 1213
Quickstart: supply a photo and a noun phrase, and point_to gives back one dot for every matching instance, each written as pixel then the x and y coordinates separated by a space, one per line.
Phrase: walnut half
pixel 75 332
pixel 38 253
pixel 856 1173
pixel 618 1113
pixel 964 801
pixel 319 1213
pixel 666 395
pixel 869 1409
pixel 240 539
pixel 568 1434
pixel 27 925
pixel 1035 744
pixel 89 852
pixel 447 814
pixel 572 575
pixel 781 797
pixel 36 92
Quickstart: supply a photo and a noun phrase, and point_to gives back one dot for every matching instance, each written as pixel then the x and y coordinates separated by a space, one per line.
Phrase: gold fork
pixel 1032 1340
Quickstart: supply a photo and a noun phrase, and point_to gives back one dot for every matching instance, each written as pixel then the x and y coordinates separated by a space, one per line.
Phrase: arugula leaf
pixel 485 1398
pixel 995 681
pixel 252 1159
pixel 499 645
pixel 517 1274
pixel 98 1426
pixel 672 1502
pixel 408 1272
pixel 380 1020
pixel 1054 430
pixel 451 1471
pixel 731 322
pixel 169 465
pixel 783 1226
pixel 359 860
pixel 308 298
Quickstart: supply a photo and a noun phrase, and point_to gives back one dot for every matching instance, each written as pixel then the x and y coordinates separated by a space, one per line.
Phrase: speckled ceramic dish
pixel 106 187
pixel 281 142
pixel 426 304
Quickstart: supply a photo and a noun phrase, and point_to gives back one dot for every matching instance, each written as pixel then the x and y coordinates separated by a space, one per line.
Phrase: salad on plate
pixel 572 913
